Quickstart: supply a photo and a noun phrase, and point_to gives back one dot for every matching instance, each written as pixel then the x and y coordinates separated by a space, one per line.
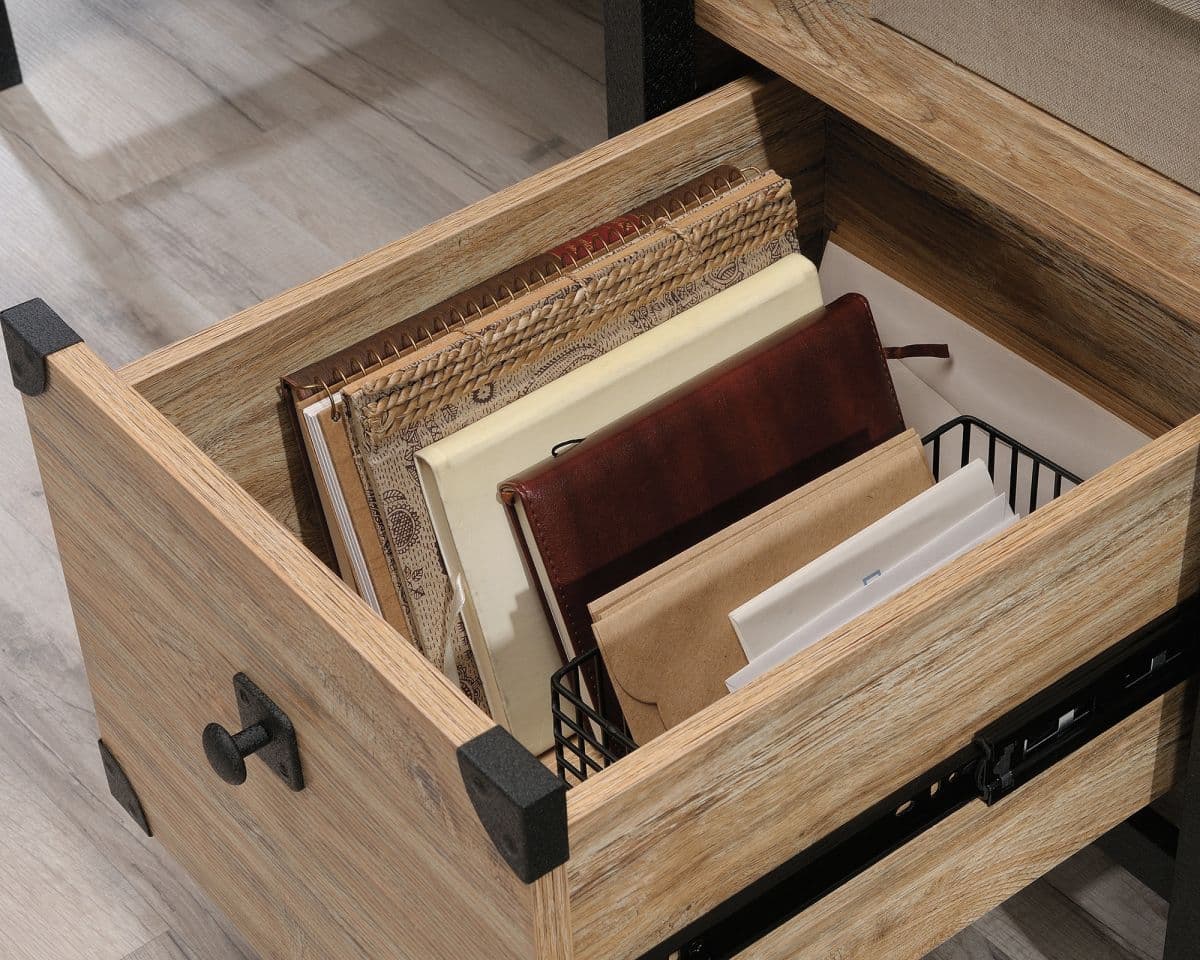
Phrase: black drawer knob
pixel 266 731
pixel 227 752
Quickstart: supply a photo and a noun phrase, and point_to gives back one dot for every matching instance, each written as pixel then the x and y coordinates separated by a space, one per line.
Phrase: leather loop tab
pixel 939 350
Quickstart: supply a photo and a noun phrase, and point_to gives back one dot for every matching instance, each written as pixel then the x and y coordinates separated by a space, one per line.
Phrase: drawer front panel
pixel 696 815
pixel 953 874
pixel 179 580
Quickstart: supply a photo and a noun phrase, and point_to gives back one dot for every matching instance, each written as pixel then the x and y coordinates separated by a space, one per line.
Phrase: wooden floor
pixel 169 162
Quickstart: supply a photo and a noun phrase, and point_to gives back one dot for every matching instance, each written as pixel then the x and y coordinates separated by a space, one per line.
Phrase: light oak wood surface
pixel 1112 342
pixel 1130 223
pixel 382 853
pixel 892 693
pixel 167 164
pixel 982 855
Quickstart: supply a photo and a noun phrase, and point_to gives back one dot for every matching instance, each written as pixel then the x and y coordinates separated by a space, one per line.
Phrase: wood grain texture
pixel 552 920
pixel 811 744
pixel 220 386
pixel 382 853
pixel 165 947
pixel 980 856
pixel 1111 341
pixel 1127 221
pixel 1111 901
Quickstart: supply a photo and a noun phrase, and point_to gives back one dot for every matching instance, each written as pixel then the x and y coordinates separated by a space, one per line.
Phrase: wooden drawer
pixel 181 516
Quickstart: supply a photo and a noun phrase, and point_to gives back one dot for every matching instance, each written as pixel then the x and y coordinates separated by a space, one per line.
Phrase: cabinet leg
pixel 650 59
pixel 10 68
pixel 1183 920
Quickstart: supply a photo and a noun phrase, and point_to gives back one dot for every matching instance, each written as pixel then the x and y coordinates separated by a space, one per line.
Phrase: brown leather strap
pixel 941 350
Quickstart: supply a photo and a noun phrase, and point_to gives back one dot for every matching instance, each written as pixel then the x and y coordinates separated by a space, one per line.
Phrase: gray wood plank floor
pixel 168 163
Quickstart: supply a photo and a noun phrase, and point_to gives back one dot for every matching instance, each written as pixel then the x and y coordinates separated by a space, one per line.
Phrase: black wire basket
pixel 589 733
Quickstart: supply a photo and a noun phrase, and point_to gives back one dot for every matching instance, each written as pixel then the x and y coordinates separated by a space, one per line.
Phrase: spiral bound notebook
pixel 367 525
pixel 315 391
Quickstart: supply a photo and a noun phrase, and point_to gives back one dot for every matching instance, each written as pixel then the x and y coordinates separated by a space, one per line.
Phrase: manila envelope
pixel 666 638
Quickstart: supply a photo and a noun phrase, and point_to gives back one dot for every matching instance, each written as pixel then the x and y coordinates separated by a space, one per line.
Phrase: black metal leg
pixel 650 53
pixel 1183 921
pixel 10 68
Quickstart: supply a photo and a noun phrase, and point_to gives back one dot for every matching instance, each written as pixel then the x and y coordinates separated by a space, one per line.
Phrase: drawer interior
pixel 821 724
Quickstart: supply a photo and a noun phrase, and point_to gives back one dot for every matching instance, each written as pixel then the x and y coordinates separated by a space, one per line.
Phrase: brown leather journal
pixel 769 420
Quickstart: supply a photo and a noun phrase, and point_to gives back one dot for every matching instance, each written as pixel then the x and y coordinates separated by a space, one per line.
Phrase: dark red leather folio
pixel 723 445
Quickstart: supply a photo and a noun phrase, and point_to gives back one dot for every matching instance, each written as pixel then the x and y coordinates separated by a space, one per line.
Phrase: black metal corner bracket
pixel 650 59
pixel 521 804
pixel 10 66
pixel 32 331
pixel 122 790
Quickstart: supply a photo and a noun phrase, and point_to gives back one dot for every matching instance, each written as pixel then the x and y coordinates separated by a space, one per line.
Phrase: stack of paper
pixel 502 610
pixel 878 562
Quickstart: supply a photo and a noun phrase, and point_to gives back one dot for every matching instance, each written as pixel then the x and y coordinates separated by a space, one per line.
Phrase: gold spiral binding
pixel 639 222
pixel 329 397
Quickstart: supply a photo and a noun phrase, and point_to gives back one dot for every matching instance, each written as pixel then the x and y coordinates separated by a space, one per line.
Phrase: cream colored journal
pixel 501 608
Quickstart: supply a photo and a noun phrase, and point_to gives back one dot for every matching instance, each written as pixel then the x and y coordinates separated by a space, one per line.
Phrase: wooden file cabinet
pixel 176 489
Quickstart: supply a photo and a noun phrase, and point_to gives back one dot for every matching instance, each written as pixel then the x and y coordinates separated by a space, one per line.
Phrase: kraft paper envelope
pixel 666 638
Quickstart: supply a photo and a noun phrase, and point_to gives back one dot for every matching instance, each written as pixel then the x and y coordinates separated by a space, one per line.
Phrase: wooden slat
pixel 1114 343
pixel 552 920
pixel 695 815
pixel 220 386
pixel 1128 221
pixel 910 902
pixel 178 580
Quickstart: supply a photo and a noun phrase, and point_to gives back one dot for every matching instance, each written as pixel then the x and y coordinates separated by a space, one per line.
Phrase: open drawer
pixel 181 514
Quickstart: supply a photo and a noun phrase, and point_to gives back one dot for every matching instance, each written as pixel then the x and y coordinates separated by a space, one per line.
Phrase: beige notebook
pixel 614 300
pixel 512 642
pixel 368 523
pixel 666 638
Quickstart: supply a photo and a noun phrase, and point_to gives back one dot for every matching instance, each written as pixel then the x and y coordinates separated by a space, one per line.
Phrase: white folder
pixel 776 613
pixel 980 525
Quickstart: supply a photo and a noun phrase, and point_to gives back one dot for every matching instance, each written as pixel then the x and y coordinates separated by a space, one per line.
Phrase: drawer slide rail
pixel 1027 741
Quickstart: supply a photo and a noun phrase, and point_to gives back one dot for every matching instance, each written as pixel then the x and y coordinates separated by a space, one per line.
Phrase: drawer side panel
pixel 958 871
pixel 696 815
pixel 178 580
pixel 1111 341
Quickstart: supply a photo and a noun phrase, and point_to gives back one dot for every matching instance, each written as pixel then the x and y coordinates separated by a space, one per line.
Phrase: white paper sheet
pixel 770 618
pixel 976 528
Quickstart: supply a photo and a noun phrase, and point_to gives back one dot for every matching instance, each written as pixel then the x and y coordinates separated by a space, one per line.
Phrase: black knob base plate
pixel 281 754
